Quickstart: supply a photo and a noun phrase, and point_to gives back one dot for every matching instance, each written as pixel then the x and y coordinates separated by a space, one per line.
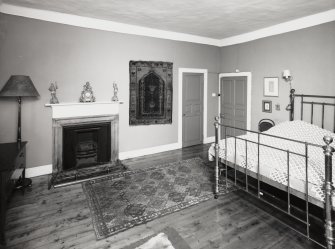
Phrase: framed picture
pixel 267 106
pixel 271 87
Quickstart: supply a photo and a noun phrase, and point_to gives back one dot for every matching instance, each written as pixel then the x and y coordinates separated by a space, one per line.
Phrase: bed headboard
pixel 320 100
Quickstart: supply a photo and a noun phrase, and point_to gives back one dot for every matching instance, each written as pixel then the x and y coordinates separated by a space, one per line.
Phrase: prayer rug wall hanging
pixel 150 97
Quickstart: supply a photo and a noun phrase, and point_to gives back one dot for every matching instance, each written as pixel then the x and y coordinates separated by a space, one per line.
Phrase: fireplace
pixel 85 142
pixel 81 142
pixel 84 136
pixel 86 145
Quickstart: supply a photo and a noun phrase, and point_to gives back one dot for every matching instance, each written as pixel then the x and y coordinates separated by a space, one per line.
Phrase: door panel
pixel 192 134
pixel 227 103
pixel 197 108
pixel 192 109
pixel 240 102
pixel 192 83
pixel 234 104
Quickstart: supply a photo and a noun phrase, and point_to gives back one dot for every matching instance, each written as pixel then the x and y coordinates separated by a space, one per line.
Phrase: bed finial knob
pixel 328 150
pixel 216 123
pixel 292 91
pixel 328 139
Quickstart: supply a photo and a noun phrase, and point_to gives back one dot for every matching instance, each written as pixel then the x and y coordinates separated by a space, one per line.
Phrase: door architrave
pixel 181 72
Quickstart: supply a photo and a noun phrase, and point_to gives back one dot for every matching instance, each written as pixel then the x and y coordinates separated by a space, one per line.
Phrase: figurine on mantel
pixel 53 88
pixel 115 98
pixel 87 94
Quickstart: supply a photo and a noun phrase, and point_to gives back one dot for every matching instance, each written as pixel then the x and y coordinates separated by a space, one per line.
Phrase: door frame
pixel 249 77
pixel 181 72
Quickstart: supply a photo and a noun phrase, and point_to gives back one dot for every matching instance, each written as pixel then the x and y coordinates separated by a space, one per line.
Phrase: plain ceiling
pixel 208 18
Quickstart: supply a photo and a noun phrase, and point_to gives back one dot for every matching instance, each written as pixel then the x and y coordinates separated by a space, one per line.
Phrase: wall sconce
pixel 288 77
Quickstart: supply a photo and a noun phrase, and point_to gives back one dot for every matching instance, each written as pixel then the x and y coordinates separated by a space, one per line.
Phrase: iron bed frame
pixel 328 150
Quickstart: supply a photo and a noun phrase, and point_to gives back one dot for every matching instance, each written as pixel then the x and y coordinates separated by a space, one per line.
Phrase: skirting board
pixel 39 171
pixel 208 140
pixel 148 151
pixel 47 169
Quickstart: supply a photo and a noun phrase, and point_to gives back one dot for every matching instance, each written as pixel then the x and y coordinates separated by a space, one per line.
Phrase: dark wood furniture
pixel 12 170
pixel 265 124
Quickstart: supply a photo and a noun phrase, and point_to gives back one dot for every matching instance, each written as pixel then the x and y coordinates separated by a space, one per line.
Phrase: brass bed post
pixel 216 187
pixel 329 191
pixel 291 104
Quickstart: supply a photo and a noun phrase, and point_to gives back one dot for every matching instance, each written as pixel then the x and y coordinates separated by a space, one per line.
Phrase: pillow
pixel 302 131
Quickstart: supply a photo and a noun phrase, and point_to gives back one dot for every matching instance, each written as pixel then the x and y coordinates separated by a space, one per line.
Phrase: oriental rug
pixel 168 238
pixel 124 200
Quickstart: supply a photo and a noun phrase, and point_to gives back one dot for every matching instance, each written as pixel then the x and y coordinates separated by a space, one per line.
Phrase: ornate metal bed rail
pixel 312 104
pixel 328 150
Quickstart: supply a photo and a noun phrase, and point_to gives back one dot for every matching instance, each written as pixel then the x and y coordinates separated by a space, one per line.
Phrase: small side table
pixel 12 174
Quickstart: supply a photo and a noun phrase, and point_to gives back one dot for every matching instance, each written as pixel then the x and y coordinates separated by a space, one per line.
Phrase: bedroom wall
pixel 309 54
pixel 50 52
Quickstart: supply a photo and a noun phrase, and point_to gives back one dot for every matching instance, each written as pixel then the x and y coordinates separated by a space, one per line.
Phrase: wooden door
pixel 192 109
pixel 234 104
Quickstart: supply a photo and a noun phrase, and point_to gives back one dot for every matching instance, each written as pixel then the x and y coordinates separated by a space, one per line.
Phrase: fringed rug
pixel 121 201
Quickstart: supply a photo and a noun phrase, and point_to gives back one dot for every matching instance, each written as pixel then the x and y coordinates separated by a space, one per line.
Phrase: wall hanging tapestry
pixel 150 97
pixel 124 200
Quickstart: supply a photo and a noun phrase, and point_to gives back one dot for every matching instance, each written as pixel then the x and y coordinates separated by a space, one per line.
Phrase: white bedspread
pixel 273 163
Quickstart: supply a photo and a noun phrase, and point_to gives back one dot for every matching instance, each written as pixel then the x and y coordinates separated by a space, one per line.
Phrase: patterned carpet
pixel 123 200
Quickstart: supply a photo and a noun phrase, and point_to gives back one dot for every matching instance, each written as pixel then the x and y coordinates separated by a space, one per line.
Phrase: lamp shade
pixel 19 86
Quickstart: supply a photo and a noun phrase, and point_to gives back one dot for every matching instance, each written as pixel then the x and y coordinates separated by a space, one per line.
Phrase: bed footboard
pixel 329 201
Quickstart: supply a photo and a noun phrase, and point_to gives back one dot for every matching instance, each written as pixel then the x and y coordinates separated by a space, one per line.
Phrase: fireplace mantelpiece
pixel 70 114
pixel 68 110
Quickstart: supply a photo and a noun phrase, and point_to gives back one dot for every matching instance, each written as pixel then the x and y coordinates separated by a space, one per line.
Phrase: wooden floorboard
pixel 60 218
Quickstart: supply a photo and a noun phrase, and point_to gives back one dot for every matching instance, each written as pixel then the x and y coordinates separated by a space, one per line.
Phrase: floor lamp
pixel 19 86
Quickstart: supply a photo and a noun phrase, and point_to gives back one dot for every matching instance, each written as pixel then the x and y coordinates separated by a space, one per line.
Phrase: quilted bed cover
pixel 273 162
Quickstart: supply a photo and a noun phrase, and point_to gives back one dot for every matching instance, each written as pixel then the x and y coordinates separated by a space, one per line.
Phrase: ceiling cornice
pixel 93 23
pixel 296 24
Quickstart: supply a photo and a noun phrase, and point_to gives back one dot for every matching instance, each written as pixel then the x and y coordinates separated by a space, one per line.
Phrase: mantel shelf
pixel 83 103
pixel 87 109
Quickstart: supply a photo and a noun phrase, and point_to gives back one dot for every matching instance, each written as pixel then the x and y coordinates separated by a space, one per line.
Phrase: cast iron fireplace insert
pixel 86 145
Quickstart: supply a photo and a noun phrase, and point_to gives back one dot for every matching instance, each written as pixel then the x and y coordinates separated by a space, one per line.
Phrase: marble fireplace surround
pixel 70 114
